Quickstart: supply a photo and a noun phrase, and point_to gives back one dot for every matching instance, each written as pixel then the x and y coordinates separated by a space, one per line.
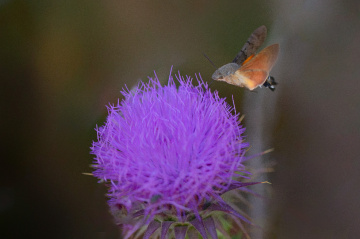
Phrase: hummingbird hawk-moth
pixel 248 69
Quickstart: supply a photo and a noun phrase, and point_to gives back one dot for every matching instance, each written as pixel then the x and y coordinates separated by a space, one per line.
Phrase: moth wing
pixel 264 60
pixel 255 40
pixel 252 78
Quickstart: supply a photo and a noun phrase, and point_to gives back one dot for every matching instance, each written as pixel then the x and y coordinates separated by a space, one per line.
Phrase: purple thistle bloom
pixel 168 154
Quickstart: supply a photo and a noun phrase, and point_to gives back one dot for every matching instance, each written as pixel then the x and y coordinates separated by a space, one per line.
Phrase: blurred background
pixel 61 62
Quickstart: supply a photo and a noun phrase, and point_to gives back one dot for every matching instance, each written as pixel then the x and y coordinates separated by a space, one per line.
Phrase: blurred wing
pixel 255 40
pixel 263 61
pixel 252 78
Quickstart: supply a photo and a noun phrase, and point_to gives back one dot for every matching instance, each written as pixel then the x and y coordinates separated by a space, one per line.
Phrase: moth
pixel 248 69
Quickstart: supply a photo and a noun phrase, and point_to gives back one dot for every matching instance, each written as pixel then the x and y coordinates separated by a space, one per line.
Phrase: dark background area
pixel 61 62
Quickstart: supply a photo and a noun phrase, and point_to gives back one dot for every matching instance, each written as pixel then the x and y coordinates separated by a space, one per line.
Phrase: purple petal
pixel 165 228
pixel 210 227
pixel 237 185
pixel 198 224
pixel 138 213
pixel 153 226
pixel 220 227
pixel 238 222
pixel 226 208
pixel 180 232
pixel 192 233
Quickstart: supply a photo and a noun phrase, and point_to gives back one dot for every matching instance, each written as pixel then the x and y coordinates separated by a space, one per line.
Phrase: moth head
pixel 224 71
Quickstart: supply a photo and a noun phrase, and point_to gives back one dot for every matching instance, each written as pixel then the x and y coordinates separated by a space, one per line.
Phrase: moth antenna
pixel 212 63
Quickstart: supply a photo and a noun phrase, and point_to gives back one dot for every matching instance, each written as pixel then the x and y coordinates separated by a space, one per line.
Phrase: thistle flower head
pixel 168 153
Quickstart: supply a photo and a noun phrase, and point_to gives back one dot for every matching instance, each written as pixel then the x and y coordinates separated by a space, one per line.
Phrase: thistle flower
pixel 168 154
